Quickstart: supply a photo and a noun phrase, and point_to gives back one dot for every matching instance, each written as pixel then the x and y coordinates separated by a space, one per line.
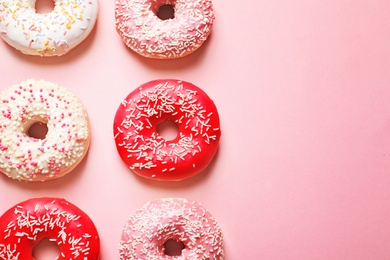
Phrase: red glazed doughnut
pixel 144 32
pixel 25 224
pixel 146 152
pixel 159 221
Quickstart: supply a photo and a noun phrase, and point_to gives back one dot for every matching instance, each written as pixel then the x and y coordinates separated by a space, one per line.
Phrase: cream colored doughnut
pixel 30 159
pixel 159 221
pixel 145 33
pixel 51 34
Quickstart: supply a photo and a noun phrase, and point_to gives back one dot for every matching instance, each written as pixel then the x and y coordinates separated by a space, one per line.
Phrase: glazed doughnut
pixel 150 155
pixel 25 224
pixel 145 33
pixel 51 34
pixel 67 140
pixel 159 221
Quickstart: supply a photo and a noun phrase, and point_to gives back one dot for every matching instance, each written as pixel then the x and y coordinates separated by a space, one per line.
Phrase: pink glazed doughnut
pixel 148 35
pixel 25 224
pixel 51 34
pixel 159 221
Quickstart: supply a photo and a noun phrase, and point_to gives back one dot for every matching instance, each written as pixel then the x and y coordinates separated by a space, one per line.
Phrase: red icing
pixel 25 224
pixel 150 155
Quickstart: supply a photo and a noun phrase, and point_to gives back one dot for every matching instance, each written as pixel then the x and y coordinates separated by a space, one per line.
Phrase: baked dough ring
pixel 177 219
pixel 149 154
pixel 30 159
pixel 148 35
pixel 51 34
pixel 25 224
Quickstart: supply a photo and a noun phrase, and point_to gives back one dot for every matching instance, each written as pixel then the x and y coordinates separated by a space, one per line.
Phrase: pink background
pixel 303 92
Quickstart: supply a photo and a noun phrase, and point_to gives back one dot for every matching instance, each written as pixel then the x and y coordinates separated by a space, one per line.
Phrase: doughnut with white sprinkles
pixel 27 158
pixel 178 219
pixel 150 155
pixel 47 34
pixel 25 224
pixel 148 35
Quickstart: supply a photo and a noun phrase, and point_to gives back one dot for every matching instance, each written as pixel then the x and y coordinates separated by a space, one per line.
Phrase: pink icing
pixel 171 218
pixel 152 37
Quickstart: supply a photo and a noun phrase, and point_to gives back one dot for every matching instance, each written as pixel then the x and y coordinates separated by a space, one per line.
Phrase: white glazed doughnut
pixel 159 221
pixel 148 35
pixel 67 140
pixel 51 34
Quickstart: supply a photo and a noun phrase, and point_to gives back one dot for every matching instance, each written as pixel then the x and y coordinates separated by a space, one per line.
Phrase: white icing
pixel 50 34
pixel 25 158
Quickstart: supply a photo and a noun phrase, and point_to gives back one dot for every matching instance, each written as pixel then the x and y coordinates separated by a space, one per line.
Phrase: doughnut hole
pixel 173 247
pixel 168 130
pixel 44 6
pixel 46 250
pixel 37 130
pixel 165 11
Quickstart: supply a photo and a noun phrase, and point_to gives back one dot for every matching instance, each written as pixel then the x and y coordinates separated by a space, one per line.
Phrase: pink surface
pixel 302 89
